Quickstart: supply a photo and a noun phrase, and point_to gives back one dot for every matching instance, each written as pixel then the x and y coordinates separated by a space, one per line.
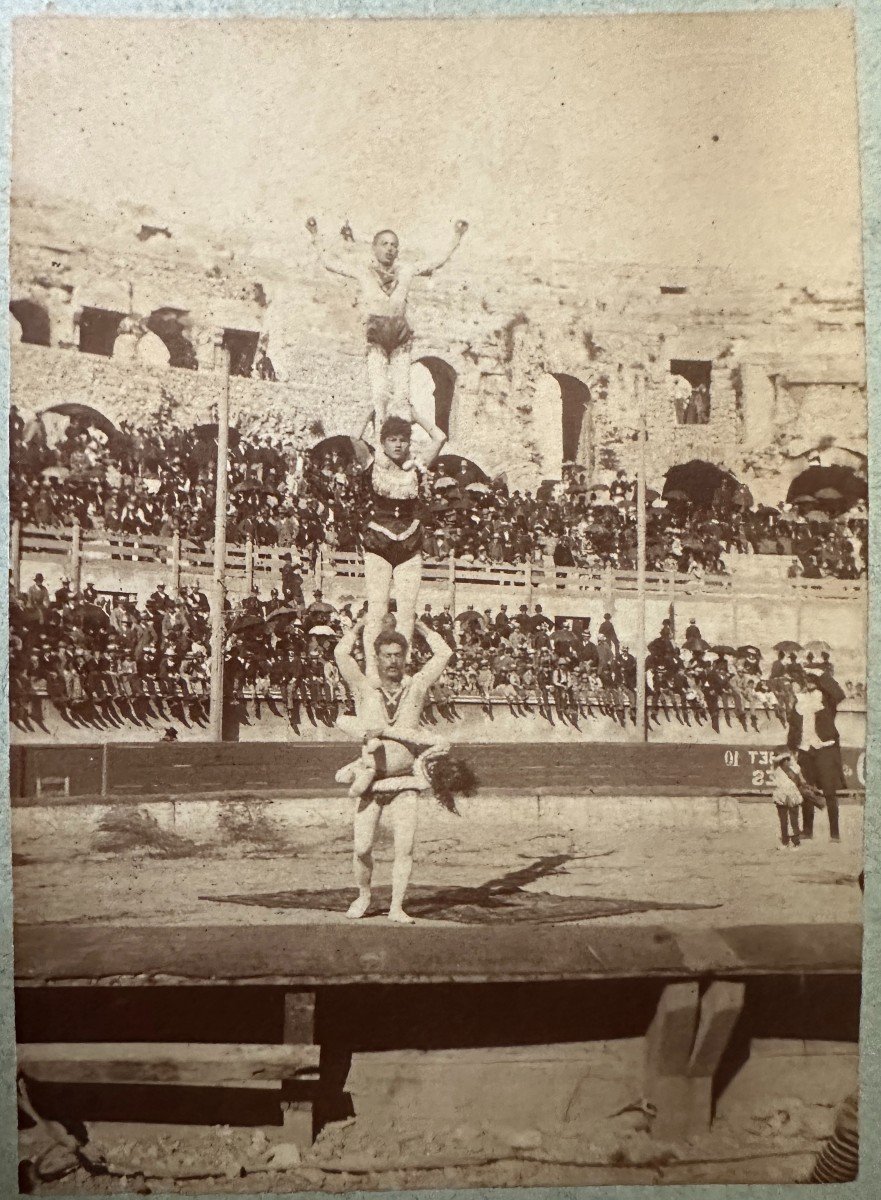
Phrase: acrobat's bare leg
pixel 399 381
pixel 364 769
pixel 367 816
pixel 378 383
pixel 404 812
pixel 377 587
pixel 406 580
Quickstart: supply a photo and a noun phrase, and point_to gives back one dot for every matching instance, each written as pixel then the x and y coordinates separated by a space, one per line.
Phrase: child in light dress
pixel 790 791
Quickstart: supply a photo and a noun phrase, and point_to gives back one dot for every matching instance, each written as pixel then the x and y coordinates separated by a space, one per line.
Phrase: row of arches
pixel 166 338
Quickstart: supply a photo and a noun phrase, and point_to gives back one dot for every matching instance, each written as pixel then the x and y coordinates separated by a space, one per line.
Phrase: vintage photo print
pixel 438 592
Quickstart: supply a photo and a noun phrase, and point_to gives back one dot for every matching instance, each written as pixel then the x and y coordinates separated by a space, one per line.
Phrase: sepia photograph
pixel 438 596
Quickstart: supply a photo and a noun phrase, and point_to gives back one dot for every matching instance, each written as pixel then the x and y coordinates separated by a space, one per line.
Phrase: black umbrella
pixel 452 465
pixel 89 416
pixel 660 645
pixel 788 647
pixel 699 480
pixel 254 485
pixel 282 612
pixel 208 433
pixel 248 621
pixel 748 652
pixel 471 616
pixel 724 650
pixel 349 448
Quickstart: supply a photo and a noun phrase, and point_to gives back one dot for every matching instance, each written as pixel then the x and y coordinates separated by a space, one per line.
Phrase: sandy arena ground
pixel 242 873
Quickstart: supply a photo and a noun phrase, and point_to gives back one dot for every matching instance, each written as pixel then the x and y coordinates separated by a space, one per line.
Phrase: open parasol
pixel 818 647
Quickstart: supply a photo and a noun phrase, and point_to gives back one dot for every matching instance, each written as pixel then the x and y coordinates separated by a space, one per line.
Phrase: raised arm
pixel 427 268
pixel 437 435
pixel 441 654
pixel 342 653
pixel 336 265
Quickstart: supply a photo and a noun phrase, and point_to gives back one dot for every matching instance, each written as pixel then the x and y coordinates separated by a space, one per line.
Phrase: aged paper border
pixel 867 16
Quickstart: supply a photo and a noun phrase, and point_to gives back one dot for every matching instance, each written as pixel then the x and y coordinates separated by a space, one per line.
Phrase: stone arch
pixel 701 482
pixel 98 328
pixel 564 423
pixel 442 379
pixel 577 422
pixel 820 482
pixel 172 326
pixel 33 319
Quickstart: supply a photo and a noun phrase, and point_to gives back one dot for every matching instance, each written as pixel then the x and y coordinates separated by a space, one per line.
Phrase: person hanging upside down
pixel 390 754
pixel 394 495
pixel 383 287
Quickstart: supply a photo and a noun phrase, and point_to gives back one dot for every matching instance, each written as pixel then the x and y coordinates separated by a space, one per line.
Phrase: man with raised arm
pixel 388 704
pixel 383 287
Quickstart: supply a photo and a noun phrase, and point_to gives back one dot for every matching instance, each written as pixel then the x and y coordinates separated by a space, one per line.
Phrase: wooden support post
pixel 249 564
pixel 451 567
pixel 684 1046
pixel 297 1096
pixel 668 1046
pixel 527 569
pixel 175 563
pixel 641 716
pixel 76 545
pixel 609 588
pixel 15 555
pixel 721 1006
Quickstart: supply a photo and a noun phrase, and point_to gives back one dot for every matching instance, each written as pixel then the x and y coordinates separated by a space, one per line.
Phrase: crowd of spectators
pixel 103 660
pixel 145 482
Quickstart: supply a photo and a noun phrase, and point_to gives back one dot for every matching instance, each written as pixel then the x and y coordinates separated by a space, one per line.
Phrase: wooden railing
pixel 73 549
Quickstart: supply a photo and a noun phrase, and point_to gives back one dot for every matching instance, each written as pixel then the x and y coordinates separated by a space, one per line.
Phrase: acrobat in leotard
pixel 392 533
pixel 383 288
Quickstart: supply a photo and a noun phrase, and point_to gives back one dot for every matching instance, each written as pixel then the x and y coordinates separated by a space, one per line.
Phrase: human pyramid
pixel 397 762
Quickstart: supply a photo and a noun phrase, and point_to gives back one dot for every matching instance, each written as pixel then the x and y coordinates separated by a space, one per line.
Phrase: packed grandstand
pixel 156 481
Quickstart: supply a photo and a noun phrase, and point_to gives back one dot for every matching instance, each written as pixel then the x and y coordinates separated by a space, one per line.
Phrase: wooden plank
pixel 373 952
pixel 216 1064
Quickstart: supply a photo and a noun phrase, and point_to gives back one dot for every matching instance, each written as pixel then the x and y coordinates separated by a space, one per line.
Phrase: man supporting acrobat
pixel 388 702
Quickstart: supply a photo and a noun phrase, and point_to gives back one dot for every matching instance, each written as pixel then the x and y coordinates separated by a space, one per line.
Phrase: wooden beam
pixel 297 1102
pixel 192 1063
pixel 304 955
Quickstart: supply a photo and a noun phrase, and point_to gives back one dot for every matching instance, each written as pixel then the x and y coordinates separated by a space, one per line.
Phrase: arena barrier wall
pixel 59 774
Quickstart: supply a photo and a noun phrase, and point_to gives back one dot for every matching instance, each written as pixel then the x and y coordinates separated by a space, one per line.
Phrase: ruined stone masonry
pixel 532 363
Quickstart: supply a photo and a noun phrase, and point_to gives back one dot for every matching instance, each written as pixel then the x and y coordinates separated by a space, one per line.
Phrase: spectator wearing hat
pixel 607 629
pixel 814 735
pixel 38 593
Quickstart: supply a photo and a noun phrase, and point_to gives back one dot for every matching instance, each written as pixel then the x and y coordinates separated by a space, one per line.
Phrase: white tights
pixel 380 578
pixel 388 377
